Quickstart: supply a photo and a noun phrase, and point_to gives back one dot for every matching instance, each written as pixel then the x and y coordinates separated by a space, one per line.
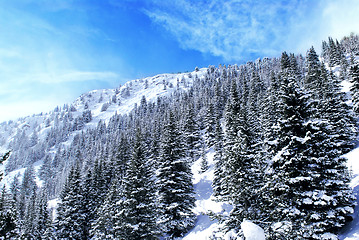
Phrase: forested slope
pixel 119 161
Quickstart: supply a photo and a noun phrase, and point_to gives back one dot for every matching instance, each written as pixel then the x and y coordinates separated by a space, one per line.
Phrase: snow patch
pixel 52 206
pixel 252 231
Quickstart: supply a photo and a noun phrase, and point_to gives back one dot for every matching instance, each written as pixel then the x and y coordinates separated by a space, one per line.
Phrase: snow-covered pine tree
pixel 354 72
pixel 175 187
pixel 334 108
pixel 218 163
pixel 70 222
pixel 204 162
pixel 122 156
pixel 282 188
pixel 28 226
pixel 270 116
pixel 191 133
pixel 312 79
pixel 42 224
pixel 94 192
pixel 225 169
pixel 137 218
pixel 103 226
pixel 7 210
pixel 210 123
pixel 90 198
pixel 241 167
pixel 326 199
pixel 252 109
pixel 8 223
pixel 27 188
pixel 334 58
pixel 309 196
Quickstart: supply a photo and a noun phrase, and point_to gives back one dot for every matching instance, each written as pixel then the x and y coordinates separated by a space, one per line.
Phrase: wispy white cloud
pixel 231 29
pixel 340 17
pixel 22 95
pixel 43 64
pixel 242 29
pixel 74 76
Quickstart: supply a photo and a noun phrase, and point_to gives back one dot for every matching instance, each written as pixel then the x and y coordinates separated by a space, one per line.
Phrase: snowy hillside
pixel 103 104
pixel 218 153
pixel 351 231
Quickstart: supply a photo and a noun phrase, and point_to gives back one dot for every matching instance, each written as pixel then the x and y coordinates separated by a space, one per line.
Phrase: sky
pixel 52 51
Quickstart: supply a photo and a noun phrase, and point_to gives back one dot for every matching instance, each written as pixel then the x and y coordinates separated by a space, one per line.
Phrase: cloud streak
pixel 74 76
pixel 47 59
pixel 242 29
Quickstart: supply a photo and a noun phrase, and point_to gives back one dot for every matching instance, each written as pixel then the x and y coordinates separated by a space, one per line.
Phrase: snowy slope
pixel 126 97
pixel 205 202
pixel 119 101
pixel 351 231
pixel 207 228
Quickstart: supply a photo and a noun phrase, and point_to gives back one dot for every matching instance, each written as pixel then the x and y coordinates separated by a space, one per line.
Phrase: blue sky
pixel 53 51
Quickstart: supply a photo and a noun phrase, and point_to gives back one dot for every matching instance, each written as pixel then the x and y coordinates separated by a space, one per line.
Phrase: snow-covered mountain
pixel 96 129
pixel 102 104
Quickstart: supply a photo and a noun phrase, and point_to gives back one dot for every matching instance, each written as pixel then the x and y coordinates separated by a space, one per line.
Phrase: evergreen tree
pixel 218 163
pixel 94 188
pixel 70 222
pixel 210 123
pixel 312 79
pixel 28 226
pixel 191 134
pixel 137 220
pixel 226 169
pixel 326 198
pixel 27 190
pixel 204 162
pixel 355 87
pixel 8 226
pixel 175 187
pixel 42 221
pixel 283 180
pixel 122 156
pixel 307 191
pixel 104 226
pixel 334 58
pixel 270 117
pixel 241 168
pixel 334 109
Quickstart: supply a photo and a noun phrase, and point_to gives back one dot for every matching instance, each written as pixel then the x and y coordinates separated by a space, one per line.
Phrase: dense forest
pixel 279 128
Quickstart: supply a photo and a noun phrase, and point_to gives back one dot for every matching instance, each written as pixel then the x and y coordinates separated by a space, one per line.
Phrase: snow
pixel 52 206
pixel 329 236
pixel 8 179
pixel 346 86
pixel 205 226
pixel 251 231
pixel 203 230
pixel 37 167
pixel 351 231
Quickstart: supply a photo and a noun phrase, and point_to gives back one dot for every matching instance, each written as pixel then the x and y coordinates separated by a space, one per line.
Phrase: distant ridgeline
pixel 119 160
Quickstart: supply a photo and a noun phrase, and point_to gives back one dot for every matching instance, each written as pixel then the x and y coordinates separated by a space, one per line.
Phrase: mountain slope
pixel 233 109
